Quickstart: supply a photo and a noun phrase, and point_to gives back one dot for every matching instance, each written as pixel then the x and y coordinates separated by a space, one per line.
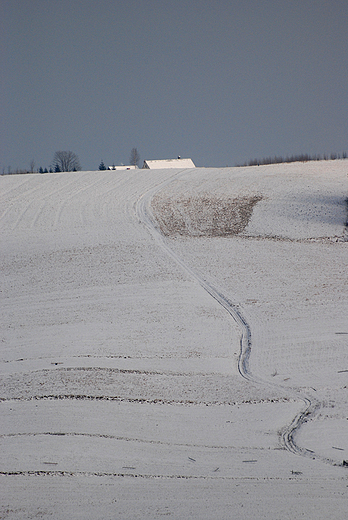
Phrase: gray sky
pixel 215 80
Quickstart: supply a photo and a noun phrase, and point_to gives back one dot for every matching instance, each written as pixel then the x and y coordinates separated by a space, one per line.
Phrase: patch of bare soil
pixel 203 215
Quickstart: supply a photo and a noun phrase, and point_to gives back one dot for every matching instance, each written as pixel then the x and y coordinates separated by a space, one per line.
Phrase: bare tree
pixel 66 161
pixel 134 157
pixel 32 166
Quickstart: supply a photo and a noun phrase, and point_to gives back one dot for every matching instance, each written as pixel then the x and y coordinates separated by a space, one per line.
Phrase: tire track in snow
pixel 98 182
pixel 145 215
pixel 21 198
pixel 121 438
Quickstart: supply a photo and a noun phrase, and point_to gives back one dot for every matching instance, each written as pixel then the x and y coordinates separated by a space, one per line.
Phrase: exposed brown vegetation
pixel 203 215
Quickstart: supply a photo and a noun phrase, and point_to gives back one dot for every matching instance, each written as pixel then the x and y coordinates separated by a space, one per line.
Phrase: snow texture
pixel 174 343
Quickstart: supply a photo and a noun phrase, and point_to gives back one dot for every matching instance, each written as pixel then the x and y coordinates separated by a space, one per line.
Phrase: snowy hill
pixel 174 342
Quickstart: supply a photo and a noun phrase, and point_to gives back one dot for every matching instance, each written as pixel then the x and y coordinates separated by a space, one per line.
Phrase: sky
pixel 219 81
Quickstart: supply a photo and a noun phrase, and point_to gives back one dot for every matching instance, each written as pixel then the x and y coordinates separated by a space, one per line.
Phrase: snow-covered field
pixel 174 343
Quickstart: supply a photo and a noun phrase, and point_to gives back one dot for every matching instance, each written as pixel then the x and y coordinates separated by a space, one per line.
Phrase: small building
pixel 169 163
pixel 122 167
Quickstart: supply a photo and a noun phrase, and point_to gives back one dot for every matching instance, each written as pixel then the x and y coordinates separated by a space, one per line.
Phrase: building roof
pixel 122 167
pixel 169 163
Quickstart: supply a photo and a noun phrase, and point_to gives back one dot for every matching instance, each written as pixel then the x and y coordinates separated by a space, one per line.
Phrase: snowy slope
pixel 130 386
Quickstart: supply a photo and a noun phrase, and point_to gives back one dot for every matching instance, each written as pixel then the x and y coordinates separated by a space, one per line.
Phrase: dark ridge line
pixel 88 356
pixel 82 397
pixel 126 371
pixel 275 238
pixel 107 369
pixel 56 473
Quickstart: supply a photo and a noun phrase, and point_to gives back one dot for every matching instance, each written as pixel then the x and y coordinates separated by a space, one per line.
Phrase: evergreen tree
pixel 102 165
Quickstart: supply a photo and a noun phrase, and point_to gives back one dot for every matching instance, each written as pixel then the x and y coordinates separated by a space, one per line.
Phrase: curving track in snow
pixel 118 374
pixel 311 406
pixel 145 215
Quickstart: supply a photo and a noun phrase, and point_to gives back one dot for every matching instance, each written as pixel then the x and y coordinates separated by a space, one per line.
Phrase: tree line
pixel 68 161
pixel 305 157
pixel 63 161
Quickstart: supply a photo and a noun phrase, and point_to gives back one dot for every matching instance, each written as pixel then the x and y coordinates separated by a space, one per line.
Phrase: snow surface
pixel 158 360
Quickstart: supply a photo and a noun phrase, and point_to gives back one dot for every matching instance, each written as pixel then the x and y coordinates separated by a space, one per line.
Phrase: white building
pixel 121 167
pixel 169 163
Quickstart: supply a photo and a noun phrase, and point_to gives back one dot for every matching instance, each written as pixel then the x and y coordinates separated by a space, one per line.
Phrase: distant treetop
pixel 66 161
pixel 134 159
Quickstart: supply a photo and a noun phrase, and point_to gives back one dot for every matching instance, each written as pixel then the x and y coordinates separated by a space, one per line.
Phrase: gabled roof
pixel 169 163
